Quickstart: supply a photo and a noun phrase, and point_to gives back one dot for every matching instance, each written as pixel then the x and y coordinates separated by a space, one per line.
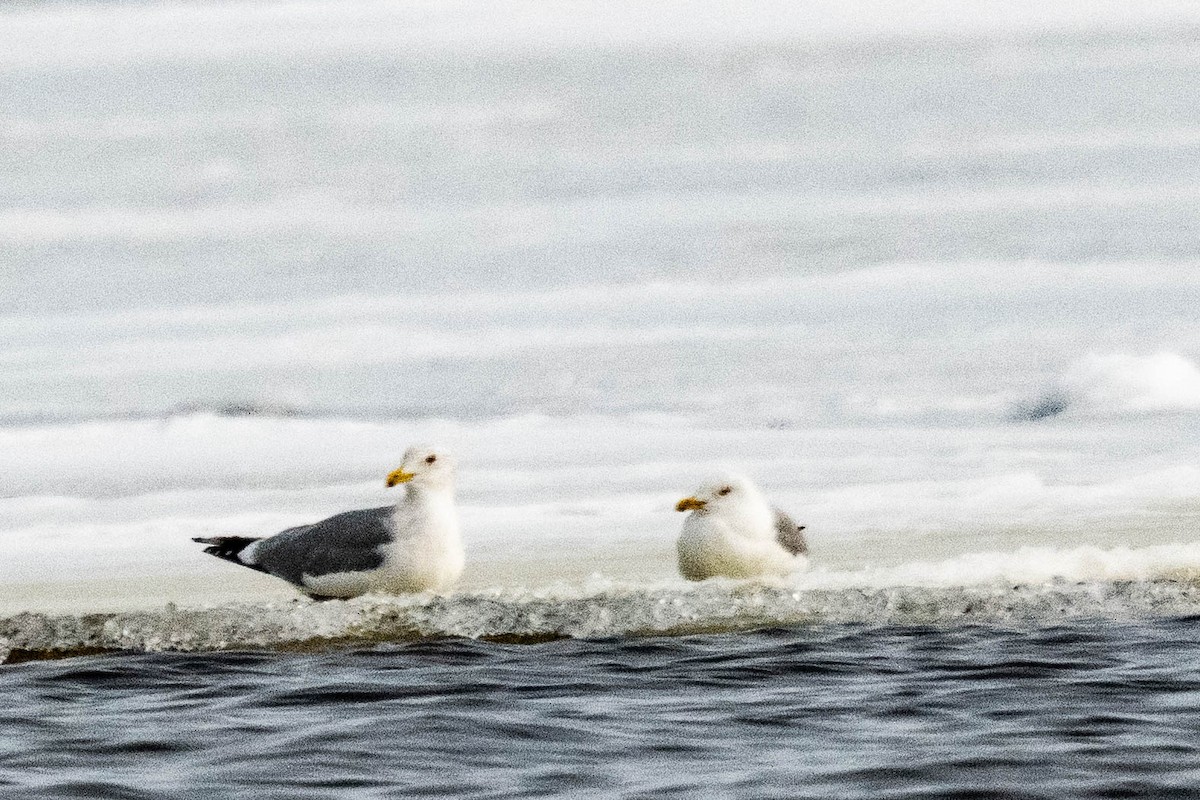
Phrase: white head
pixel 426 467
pixel 727 495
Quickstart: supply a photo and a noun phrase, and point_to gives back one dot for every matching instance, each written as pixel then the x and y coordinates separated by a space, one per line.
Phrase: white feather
pixel 733 535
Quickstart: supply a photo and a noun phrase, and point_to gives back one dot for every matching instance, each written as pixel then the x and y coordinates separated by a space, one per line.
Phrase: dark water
pixel 1096 709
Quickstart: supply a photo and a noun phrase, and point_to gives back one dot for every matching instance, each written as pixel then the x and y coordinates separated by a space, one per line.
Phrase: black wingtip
pixel 227 547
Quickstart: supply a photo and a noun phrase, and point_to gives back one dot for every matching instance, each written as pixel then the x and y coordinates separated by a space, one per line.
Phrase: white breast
pixel 710 547
pixel 426 555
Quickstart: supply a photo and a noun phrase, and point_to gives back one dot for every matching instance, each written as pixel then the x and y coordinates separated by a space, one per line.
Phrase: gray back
pixel 346 542
pixel 790 535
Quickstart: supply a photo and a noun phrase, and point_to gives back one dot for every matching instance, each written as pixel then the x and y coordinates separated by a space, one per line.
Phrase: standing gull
pixel 734 532
pixel 413 546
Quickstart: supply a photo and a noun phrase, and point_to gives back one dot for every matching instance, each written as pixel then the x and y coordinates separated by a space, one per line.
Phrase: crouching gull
pixel 734 532
pixel 413 546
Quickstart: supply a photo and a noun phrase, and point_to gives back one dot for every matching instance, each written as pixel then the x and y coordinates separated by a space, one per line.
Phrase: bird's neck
pixel 429 489
pixel 751 516
pixel 424 495
pixel 432 504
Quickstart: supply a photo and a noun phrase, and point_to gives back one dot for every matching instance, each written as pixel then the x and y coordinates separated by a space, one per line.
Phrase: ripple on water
pixel 1085 708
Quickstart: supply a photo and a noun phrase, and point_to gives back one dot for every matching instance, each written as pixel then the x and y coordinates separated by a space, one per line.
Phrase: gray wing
pixel 789 535
pixel 346 542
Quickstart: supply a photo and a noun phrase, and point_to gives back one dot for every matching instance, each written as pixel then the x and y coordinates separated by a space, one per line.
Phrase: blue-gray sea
pixel 929 275
pixel 1098 709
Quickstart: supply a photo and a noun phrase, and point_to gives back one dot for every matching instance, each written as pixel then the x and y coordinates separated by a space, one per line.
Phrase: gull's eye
pixel 430 459
pixel 724 490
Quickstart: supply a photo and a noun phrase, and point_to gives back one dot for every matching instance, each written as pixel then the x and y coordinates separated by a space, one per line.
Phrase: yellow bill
pixel 399 476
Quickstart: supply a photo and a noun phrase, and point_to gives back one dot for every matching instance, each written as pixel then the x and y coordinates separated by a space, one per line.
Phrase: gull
pixel 413 546
pixel 734 532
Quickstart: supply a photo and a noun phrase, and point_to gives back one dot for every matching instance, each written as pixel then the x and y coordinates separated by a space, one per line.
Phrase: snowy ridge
pixel 319 26
pixel 768 347
pixel 1119 383
pixel 612 611
pixel 547 499
pixel 1030 585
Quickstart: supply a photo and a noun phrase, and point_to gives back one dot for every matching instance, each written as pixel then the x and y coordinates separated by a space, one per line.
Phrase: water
pixel 1099 709
pixel 929 278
